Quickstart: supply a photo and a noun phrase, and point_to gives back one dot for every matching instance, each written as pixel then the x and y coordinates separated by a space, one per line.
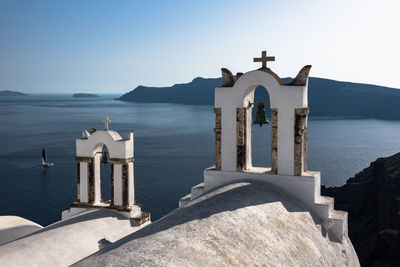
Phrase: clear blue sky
pixel 113 46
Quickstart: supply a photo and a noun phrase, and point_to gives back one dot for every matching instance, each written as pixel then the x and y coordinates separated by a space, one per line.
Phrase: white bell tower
pixel 121 157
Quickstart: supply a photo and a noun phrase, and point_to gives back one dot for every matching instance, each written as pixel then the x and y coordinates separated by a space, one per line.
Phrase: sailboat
pixel 44 161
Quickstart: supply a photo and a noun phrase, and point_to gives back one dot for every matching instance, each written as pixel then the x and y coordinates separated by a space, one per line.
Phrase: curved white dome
pixel 242 224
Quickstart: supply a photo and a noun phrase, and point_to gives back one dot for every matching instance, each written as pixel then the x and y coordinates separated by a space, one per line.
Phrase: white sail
pixel 44 160
pixel 43 156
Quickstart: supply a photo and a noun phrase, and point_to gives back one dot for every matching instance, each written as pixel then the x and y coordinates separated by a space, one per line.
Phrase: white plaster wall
pixel 286 141
pixel 117 184
pixel 131 184
pixel 117 147
pixel 83 172
pixel 284 98
pixel 305 188
pixel 97 179
pixel 129 146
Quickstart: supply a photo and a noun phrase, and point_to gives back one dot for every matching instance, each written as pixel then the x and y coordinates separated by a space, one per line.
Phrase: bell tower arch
pixel 288 103
pixel 288 170
pixel 121 157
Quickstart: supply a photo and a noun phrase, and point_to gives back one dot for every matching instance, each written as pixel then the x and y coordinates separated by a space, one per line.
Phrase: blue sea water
pixel 173 145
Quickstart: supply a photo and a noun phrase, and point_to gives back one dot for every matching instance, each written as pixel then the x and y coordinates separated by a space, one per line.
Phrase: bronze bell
pixel 104 158
pixel 261 115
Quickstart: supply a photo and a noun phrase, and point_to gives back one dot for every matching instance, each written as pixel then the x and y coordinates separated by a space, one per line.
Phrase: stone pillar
pixel 97 179
pixel 90 182
pixel 249 136
pixel 125 188
pixel 274 140
pixel 300 146
pixel 117 184
pixel 305 151
pixel 78 181
pixel 131 184
pixel 240 139
pixel 83 173
pixel 112 184
pixel 217 131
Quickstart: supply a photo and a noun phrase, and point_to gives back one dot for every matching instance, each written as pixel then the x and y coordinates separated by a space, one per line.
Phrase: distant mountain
pixel 79 95
pixel 326 97
pixel 11 93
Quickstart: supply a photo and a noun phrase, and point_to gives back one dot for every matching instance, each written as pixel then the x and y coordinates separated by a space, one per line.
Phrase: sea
pixel 173 145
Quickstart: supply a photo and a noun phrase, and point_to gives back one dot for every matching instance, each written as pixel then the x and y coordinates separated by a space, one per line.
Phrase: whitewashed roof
pixel 241 224
pixel 66 242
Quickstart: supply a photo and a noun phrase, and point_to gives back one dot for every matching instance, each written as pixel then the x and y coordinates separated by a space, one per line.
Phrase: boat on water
pixel 44 160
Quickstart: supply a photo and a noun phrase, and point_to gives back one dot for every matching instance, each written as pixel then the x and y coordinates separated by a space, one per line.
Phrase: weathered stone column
pixel 125 188
pixel 240 139
pixel 249 137
pixel 300 146
pixel 112 184
pixel 123 183
pixel 217 131
pixel 274 140
pixel 91 182
pixel 83 173
pixel 131 184
pixel 97 178
pixel 117 184
pixel 78 182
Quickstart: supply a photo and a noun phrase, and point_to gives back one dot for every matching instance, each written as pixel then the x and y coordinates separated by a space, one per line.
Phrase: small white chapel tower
pixel 121 157
pixel 234 102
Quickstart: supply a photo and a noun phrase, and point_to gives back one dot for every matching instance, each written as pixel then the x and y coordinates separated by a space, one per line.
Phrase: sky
pixel 113 46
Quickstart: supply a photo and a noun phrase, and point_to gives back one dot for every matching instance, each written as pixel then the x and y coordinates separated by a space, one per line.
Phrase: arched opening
pixel 102 175
pixel 261 136
pixel 105 175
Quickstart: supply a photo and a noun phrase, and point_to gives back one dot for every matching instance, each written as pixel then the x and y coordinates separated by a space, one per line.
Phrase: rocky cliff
pixel 325 97
pixel 372 199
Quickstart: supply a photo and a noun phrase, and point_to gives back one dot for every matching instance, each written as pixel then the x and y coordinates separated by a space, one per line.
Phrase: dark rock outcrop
pixel 372 199
pixel 11 93
pixel 325 97
pixel 80 95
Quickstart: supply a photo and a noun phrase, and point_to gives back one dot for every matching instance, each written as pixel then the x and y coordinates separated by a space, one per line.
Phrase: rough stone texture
pixel 242 224
pixel 274 140
pixel 91 182
pixel 78 181
pixel 299 139
pixel 112 184
pixel 217 131
pixel 240 139
pixel 228 80
pixel 125 185
pixel 302 76
pixel 122 161
pixel 372 200
pixel 66 242
pixel 84 159
pixel 305 149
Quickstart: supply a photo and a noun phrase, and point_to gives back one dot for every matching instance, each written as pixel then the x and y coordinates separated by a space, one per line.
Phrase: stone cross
pixel 264 59
pixel 106 122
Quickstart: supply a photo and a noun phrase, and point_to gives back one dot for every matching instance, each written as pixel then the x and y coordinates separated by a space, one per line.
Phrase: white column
pixel 131 184
pixel 228 138
pixel 83 173
pixel 117 184
pixel 97 181
pixel 249 137
pixel 286 141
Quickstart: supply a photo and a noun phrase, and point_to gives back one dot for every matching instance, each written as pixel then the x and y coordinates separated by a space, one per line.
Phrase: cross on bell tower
pixel 106 122
pixel 264 59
